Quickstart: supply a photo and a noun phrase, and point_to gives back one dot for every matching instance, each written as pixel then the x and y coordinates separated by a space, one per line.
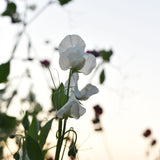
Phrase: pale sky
pixel 131 93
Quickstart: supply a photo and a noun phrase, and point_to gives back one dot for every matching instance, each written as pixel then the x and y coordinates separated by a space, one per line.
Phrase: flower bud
pixel 147 133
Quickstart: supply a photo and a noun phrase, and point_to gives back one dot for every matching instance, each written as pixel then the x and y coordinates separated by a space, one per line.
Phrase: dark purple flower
pixel 45 63
pixel 98 110
pixel 95 53
pixel 147 133
pixel 153 142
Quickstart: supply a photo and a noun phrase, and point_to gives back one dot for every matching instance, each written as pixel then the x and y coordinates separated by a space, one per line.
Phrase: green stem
pixel 59 143
pixel 52 77
pixel 60 140
pixel 41 10
pixel 26 24
pixel 69 81
pixel 65 145
pixel 71 130
pixel 17 43
pixel 60 132
pixel 67 140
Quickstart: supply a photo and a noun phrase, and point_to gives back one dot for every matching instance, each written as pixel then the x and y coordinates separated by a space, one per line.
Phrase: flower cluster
pixel 73 57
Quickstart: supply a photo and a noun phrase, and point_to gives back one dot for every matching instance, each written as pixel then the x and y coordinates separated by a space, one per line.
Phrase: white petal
pixel 73 57
pixel 74 80
pixel 90 64
pixel 71 41
pixel 77 92
pixel 88 91
pixel 82 111
pixel 73 83
pixel 64 62
pixel 77 63
pixel 74 112
pixel 77 110
pixel 72 109
pixel 64 111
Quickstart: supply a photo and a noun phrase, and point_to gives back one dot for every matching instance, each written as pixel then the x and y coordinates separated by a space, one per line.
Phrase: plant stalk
pixel 61 132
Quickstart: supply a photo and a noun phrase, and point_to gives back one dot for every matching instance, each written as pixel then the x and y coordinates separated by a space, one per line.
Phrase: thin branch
pixel 41 11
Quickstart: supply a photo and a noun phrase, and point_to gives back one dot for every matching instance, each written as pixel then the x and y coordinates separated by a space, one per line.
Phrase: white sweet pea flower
pixel 72 55
pixel 85 93
pixel 71 109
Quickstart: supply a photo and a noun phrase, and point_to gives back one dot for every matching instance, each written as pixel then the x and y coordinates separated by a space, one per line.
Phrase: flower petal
pixel 64 111
pixel 88 91
pixel 73 81
pixel 77 92
pixel 71 109
pixel 72 58
pixel 71 41
pixel 90 64
pixel 75 110
pixel 64 62
pixel 82 111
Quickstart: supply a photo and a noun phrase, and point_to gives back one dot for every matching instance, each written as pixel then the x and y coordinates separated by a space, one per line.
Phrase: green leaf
pixel 58 97
pixel 34 128
pixel 62 2
pixel 4 71
pixel 44 133
pixel 102 77
pixel 106 55
pixel 25 122
pixel 10 9
pixel 33 149
pixel 7 123
pixel 5 13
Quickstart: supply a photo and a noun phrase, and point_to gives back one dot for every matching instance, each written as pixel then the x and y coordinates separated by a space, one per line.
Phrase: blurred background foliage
pixel 29 130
